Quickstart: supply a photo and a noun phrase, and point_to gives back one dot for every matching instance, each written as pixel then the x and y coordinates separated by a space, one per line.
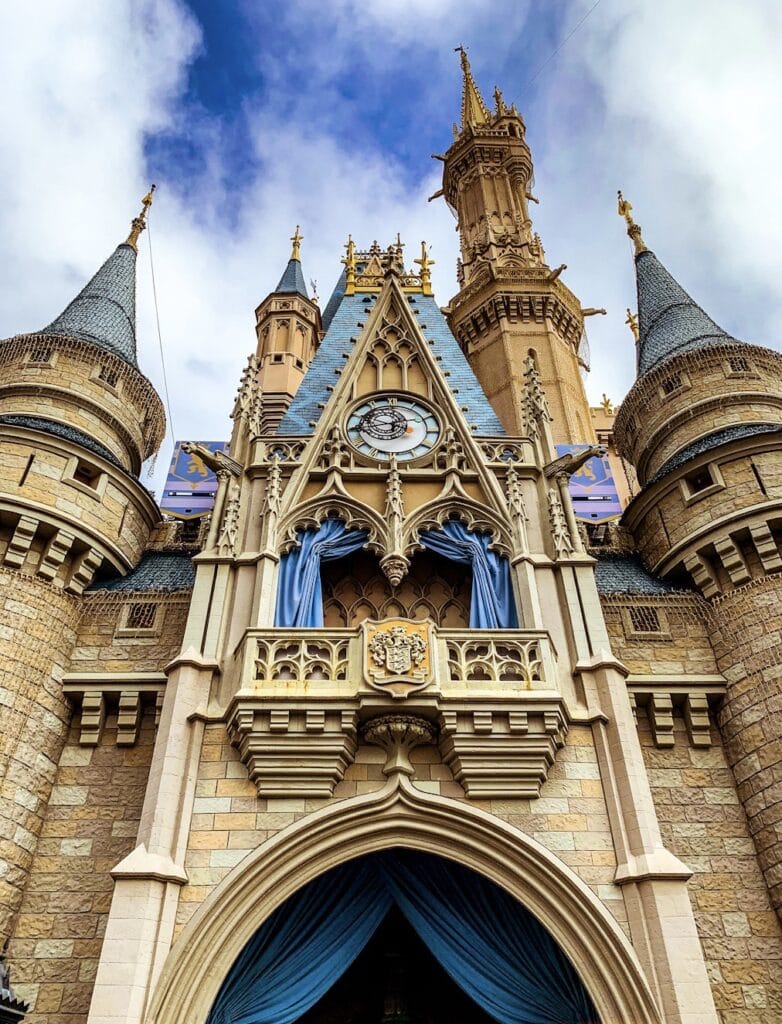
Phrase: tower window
pixel 671 384
pixel 701 482
pixel 139 619
pixel 108 376
pixel 86 474
pixel 739 364
pixel 141 615
pixel 644 621
pixel 41 352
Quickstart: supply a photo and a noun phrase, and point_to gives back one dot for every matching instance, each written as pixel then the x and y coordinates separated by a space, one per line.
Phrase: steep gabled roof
pixel 104 311
pixel 670 321
pixel 345 327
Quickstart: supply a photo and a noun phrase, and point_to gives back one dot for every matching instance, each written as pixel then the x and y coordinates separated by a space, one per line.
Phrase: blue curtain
pixel 493 948
pixel 299 593
pixel 491 602
pixel 303 948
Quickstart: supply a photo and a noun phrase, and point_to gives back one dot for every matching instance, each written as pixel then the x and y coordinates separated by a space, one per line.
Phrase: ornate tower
pixel 703 426
pixel 287 324
pixel 511 303
pixel 78 419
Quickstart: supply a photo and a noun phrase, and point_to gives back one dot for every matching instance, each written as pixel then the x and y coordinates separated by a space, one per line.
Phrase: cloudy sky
pixel 255 115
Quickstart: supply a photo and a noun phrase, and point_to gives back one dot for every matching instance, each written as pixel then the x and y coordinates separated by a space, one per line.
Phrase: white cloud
pixel 676 120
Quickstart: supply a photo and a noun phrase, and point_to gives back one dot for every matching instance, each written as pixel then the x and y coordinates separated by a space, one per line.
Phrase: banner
pixel 190 485
pixel 592 488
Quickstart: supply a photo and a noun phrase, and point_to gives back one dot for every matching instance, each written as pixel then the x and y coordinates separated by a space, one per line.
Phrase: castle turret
pixel 288 327
pixel 511 304
pixel 77 419
pixel 703 427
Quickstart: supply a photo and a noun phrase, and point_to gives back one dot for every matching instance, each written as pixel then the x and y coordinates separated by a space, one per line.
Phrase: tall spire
pixel 139 223
pixel 104 311
pixel 474 110
pixel 669 320
pixel 292 280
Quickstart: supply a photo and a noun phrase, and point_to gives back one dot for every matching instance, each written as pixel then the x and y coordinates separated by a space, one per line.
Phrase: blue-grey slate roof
pixel 346 325
pixel 158 571
pixel 104 311
pixel 711 441
pixel 336 298
pixel 669 320
pixel 626 574
pixel 292 280
pixel 61 430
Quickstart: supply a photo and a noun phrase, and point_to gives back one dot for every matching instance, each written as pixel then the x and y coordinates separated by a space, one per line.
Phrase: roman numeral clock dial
pixel 392 425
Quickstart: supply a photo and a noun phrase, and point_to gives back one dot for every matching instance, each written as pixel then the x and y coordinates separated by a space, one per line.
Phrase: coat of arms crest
pixel 397 655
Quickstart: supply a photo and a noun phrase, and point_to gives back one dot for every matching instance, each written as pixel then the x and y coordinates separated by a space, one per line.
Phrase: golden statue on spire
pixel 297 239
pixel 632 323
pixel 139 223
pixel 624 207
pixel 426 275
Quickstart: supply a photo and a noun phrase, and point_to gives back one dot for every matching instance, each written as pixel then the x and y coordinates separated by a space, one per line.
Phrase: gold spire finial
pixel 426 275
pixel 296 238
pixel 624 207
pixel 607 405
pixel 499 102
pixel 632 323
pixel 474 110
pixel 139 223
pixel 349 259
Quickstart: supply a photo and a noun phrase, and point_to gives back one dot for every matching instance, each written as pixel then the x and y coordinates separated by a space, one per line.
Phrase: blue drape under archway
pixel 299 590
pixel 491 946
pixel 491 602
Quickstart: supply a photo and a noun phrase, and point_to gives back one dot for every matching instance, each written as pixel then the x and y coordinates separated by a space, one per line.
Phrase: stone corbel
pixel 662 697
pixel 128 692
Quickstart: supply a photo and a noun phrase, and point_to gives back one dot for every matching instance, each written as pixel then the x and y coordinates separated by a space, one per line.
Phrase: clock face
pixel 392 425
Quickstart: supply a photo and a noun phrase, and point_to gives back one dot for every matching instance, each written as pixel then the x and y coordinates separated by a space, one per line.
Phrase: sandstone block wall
pixel 747 637
pixel 230 821
pixel 703 823
pixel 90 824
pixel 37 630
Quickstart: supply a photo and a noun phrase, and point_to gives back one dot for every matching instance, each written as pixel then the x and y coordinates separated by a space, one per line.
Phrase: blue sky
pixel 252 117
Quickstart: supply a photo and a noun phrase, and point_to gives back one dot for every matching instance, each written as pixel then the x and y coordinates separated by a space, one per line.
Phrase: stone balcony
pixel 303 697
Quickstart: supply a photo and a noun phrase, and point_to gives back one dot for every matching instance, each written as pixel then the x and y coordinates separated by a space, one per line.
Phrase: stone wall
pixel 90 825
pixel 37 630
pixel 230 821
pixel 747 637
pixel 703 823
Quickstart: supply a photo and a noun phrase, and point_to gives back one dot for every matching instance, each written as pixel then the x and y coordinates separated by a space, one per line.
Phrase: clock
pixel 392 425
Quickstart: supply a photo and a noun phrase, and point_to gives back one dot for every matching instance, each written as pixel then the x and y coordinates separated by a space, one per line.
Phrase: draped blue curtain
pixel 491 946
pixel 491 602
pixel 305 946
pixel 299 593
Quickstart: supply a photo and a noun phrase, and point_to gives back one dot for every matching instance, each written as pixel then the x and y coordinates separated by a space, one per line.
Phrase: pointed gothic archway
pixel 401 816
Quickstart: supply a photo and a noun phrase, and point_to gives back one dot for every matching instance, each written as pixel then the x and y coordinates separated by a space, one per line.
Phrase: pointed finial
pixel 296 238
pixel 499 102
pixel 349 259
pixel 632 323
pixel 139 223
pixel 426 275
pixel 624 207
pixel 474 110
pixel 607 405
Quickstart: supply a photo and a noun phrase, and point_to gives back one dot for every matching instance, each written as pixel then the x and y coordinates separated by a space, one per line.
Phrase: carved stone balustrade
pixel 491 697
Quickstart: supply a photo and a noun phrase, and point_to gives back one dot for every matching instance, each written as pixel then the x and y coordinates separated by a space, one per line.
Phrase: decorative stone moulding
pixel 127 692
pixel 491 698
pixel 694 697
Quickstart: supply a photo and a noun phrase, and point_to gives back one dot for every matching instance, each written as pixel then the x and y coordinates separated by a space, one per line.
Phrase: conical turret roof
pixel 292 280
pixel 104 311
pixel 669 319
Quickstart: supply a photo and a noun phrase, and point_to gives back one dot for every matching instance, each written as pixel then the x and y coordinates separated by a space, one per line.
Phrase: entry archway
pixel 401 816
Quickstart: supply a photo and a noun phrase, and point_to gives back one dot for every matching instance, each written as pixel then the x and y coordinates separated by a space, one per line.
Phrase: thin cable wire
pixel 159 333
pixel 567 37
